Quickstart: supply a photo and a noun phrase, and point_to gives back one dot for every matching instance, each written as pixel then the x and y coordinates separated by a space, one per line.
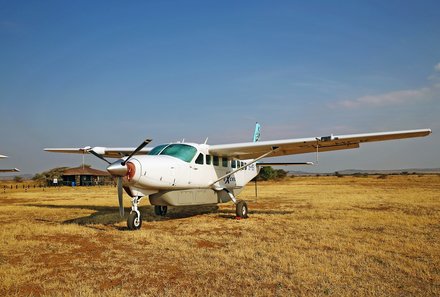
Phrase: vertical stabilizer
pixel 257 132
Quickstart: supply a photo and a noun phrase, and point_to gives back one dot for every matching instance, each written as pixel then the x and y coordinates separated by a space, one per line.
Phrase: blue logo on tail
pixel 257 132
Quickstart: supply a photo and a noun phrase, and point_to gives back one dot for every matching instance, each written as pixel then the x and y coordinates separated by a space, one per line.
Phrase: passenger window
pixel 215 160
pixel 234 164
pixel 199 159
pixel 208 159
pixel 224 162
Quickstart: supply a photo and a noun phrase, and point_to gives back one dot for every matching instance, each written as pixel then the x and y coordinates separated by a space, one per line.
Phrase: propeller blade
pixel 141 146
pixel 98 155
pixel 121 202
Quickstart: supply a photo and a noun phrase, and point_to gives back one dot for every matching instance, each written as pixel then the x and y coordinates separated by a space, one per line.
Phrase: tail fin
pixel 257 132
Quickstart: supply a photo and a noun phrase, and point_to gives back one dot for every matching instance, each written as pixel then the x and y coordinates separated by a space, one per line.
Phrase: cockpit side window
pixel 182 151
pixel 200 159
pixel 157 149
pixel 208 159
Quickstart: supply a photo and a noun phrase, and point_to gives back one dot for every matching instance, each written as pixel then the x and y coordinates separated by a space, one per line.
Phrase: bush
pixel 268 173
pixel 18 179
pixel 358 174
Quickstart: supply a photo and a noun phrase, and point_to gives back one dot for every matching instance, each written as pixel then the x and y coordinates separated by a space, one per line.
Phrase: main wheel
pixel 241 209
pixel 160 210
pixel 134 221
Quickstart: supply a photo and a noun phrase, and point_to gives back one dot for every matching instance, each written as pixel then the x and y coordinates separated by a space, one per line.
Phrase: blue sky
pixel 112 73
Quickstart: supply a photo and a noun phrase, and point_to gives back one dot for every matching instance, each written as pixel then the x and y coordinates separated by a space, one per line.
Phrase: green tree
pixel 48 176
pixel 268 173
pixel 18 179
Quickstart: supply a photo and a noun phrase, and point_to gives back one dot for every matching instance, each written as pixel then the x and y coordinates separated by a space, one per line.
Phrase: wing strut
pixel 274 149
pixel 284 164
pixel 317 151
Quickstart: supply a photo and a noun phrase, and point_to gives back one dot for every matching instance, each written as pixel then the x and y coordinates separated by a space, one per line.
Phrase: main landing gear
pixel 160 210
pixel 241 208
pixel 134 221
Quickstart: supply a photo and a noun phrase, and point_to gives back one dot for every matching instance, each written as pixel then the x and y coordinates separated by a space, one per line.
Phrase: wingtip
pixel 427 132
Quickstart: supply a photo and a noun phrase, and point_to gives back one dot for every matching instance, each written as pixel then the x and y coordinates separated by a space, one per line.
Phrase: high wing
pixel 252 150
pixel 10 170
pixel 110 152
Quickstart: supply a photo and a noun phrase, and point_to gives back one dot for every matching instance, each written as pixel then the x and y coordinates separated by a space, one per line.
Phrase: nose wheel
pixel 134 221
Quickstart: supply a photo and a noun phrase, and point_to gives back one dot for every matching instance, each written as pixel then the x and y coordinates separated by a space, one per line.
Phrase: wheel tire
pixel 134 222
pixel 241 209
pixel 160 210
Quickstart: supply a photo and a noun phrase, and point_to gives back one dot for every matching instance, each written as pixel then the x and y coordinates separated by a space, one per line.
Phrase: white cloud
pixel 390 98
pixel 399 97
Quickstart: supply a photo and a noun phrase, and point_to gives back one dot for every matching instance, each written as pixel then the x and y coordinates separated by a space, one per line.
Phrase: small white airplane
pixel 180 173
pixel 8 170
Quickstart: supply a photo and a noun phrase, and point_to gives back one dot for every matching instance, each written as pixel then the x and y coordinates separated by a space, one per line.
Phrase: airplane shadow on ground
pixel 230 213
pixel 109 215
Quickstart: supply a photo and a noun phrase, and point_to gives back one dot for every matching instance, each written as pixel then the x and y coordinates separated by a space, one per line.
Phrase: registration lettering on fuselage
pixel 229 179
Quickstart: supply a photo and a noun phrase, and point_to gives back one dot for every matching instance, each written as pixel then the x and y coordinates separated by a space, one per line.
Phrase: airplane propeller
pixel 141 146
pixel 98 155
pixel 119 169
pixel 120 200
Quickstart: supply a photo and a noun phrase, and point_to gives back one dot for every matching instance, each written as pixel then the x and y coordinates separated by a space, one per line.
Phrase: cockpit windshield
pixel 183 152
pixel 157 149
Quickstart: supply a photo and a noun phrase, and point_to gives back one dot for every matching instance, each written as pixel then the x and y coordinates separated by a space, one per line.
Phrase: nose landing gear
pixel 134 221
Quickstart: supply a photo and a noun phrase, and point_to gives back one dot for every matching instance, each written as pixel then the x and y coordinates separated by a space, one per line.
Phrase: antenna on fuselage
pixel 206 140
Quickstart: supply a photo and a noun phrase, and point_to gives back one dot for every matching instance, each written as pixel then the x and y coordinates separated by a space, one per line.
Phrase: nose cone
pixel 117 169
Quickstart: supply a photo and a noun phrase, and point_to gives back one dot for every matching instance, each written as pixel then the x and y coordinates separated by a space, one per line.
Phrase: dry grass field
pixel 306 236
